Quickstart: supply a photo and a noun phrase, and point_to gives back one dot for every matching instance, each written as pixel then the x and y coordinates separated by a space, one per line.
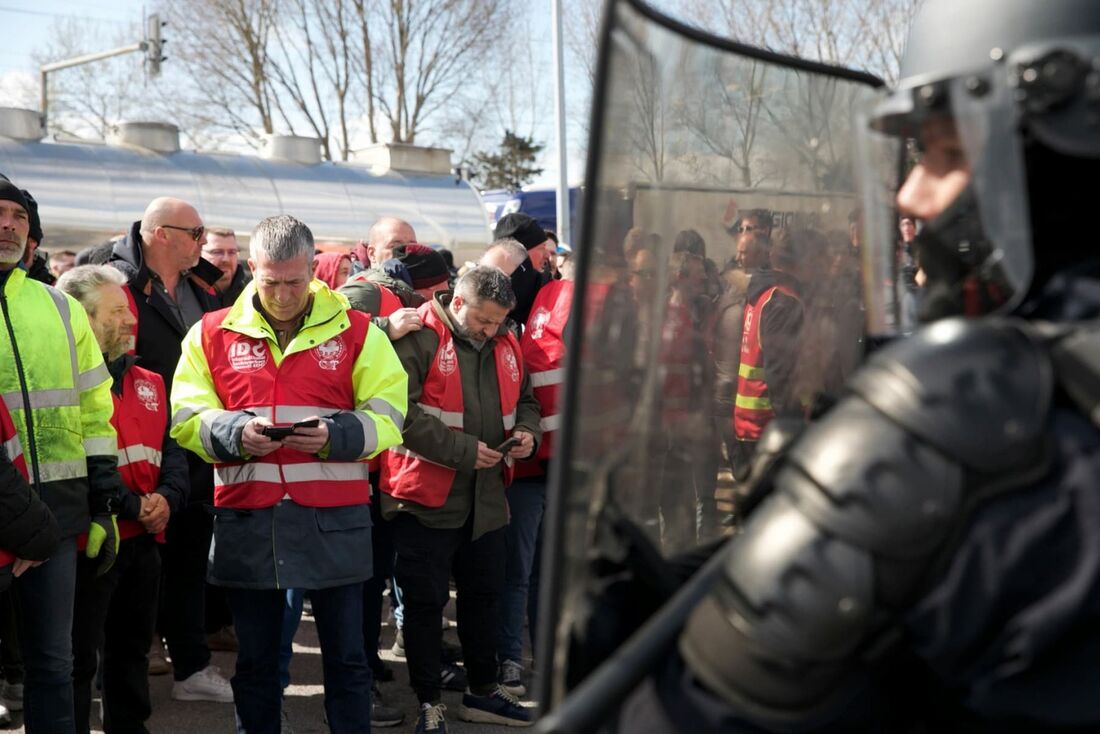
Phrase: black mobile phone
pixel 508 444
pixel 278 433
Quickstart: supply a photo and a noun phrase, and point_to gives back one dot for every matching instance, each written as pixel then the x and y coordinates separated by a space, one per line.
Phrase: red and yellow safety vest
pixel 543 345
pixel 9 438
pixel 406 475
pixel 140 417
pixel 315 381
pixel 752 409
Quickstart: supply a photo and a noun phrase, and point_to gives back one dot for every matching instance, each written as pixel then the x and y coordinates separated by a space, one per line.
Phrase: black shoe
pixel 499 707
pixel 431 719
pixel 452 678
pixel 381 715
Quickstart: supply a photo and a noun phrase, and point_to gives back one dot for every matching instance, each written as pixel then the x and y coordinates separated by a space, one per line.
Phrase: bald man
pixel 171 288
pixel 386 234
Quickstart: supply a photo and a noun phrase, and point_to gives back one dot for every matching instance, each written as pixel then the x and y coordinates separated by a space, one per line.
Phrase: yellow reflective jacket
pixel 201 424
pixel 58 392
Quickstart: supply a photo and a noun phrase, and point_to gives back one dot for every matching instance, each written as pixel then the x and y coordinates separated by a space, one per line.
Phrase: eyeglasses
pixel 194 233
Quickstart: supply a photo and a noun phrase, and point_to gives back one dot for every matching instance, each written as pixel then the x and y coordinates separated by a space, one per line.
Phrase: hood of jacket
pixel 762 280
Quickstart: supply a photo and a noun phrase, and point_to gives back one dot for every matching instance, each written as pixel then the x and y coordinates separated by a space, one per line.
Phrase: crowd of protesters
pixel 195 445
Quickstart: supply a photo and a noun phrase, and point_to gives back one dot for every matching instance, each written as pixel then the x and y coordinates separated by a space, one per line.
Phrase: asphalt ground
pixel 304 698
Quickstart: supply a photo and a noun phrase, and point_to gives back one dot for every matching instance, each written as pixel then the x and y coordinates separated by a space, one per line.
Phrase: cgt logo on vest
pixel 510 363
pixel 147 394
pixel 330 354
pixel 448 360
pixel 247 355
pixel 539 322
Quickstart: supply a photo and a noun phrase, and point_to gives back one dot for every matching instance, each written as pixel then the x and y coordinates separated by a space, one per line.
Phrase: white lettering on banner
pixel 147 394
pixel 448 360
pixel 247 355
pixel 330 354
pixel 510 363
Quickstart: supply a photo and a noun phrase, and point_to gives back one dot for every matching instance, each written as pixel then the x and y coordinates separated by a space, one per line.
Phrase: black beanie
pixel 10 192
pixel 35 232
pixel 522 228
pixel 426 266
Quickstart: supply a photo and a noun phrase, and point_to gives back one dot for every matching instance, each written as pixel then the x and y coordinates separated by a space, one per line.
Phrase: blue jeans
pixel 44 600
pixel 292 617
pixel 526 502
pixel 258 617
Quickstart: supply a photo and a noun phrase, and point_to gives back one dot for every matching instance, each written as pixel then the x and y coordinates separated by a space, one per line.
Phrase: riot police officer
pixel 929 556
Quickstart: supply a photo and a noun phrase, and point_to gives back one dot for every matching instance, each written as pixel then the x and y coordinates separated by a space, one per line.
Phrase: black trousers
pixel 373 588
pixel 426 559
pixel 183 598
pixel 116 613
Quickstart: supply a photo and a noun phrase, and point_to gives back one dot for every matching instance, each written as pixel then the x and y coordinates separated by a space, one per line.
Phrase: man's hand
pixel 525 447
pixel 154 513
pixel 402 321
pixel 103 542
pixel 486 457
pixel 309 440
pixel 21 565
pixel 255 443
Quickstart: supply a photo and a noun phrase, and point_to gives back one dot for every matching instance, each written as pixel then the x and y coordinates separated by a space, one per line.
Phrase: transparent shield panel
pixel 721 289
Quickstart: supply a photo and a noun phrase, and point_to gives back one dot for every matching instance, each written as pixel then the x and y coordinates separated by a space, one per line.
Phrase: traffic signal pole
pixel 151 46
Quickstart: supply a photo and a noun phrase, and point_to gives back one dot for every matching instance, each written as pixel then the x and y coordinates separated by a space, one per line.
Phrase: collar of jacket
pixel 326 318
pixel 118 370
pixel 17 276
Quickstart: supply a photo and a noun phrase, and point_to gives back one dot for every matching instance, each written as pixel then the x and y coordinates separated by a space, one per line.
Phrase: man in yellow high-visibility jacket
pixel 58 392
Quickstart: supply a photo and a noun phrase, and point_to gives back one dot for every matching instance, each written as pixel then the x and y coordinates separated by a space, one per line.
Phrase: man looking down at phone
pixel 291 506
pixel 443 488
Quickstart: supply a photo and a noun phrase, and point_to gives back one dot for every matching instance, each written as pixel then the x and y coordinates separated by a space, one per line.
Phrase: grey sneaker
pixel 381 715
pixel 511 678
pixel 12 696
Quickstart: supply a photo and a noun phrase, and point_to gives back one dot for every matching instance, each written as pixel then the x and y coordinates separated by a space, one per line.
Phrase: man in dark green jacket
pixel 458 528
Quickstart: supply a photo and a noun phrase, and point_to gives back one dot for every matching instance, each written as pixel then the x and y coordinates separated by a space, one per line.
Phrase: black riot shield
pixel 717 291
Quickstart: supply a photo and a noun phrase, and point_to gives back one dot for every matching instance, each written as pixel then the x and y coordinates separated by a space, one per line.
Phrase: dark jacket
pixel 174 481
pixel 159 330
pixel 40 269
pixel 780 337
pixel 241 278
pixel 27 527
pixel 478 491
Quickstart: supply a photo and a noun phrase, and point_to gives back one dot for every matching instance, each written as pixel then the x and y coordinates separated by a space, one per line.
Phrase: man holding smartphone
pixel 472 412
pixel 288 393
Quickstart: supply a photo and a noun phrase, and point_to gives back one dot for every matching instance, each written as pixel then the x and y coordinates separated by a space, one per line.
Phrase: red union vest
pixel 9 439
pixel 388 303
pixel 752 408
pixel 406 475
pixel 316 381
pixel 679 360
pixel 543 345
pixel 140 417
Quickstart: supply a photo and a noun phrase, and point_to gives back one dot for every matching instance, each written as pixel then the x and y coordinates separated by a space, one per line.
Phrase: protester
pixel 115 612
pixel 532 275
pixel 221 250
pixel 332 268
pixel 56 377
pixel 62 261
pixel 171 287
pixel 444 487
pixel 290 351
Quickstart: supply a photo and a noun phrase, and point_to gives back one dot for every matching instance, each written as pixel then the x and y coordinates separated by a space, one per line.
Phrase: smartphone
pixel 278 433
pixel 504 447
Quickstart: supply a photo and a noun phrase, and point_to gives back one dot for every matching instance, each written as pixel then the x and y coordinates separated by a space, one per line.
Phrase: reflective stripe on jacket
pixel 406 475
pixel 336 367
pixel 752 409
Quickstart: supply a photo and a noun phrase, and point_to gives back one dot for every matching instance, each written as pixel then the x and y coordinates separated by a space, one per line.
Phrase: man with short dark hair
pixel 444 487
pixel 532 274
pixel 221 250
pixel 61 262
pixel 288 393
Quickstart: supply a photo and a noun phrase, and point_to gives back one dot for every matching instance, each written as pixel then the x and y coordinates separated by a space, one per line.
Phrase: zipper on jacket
pixel 28 414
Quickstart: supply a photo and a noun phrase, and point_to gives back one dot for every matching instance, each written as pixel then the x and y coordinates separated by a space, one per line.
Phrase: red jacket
pixel 543 345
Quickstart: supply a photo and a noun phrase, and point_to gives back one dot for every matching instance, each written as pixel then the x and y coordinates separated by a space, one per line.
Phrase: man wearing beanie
pixel 426 267
pixel 532 275
pixel 35 263
pixel 55 371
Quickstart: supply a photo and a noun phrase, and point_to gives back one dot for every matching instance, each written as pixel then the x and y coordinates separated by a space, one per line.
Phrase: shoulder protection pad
pixel 979 391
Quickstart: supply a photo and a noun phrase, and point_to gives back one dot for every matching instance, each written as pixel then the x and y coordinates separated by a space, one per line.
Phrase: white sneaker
pixel 5 717
pixel 205 685
pixel 12 696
